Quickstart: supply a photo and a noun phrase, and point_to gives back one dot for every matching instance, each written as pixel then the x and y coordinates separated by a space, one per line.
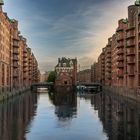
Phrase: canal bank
pixel 6 94
pixel 133 94
pixel 66 116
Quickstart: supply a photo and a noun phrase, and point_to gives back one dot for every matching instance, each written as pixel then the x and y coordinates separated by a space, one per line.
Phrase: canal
pixel 69 116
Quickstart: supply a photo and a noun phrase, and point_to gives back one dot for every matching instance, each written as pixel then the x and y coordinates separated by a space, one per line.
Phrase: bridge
pixel 48 85
pixel 89 86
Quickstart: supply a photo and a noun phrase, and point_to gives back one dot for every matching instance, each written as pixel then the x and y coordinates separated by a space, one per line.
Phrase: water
pixel 69 116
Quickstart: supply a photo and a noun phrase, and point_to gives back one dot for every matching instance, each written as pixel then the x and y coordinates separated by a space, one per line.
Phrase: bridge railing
pixel 43 84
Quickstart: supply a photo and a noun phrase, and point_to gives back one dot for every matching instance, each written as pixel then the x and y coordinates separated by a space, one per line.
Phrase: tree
pixel 51 77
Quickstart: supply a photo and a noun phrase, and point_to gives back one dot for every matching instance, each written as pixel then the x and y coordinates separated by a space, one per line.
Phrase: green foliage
pixel 51 77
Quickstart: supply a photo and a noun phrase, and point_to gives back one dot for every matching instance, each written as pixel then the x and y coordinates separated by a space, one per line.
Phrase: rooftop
pixel 65 62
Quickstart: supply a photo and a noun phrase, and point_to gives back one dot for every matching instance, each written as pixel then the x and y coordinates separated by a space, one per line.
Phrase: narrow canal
pixel 69 116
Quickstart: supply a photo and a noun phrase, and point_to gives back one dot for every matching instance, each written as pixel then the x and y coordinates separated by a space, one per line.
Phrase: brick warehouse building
pixel 120 63
pixel 66 72
pixel 84 76
pixel 17 63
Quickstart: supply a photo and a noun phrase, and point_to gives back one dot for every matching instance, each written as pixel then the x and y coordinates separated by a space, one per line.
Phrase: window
pixel 65 82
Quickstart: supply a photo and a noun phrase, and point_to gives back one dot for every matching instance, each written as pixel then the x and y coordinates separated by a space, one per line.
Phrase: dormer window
pixel 71 63
pixel 64 64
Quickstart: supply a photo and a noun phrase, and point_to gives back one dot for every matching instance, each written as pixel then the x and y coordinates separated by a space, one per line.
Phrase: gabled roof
pixel 67 61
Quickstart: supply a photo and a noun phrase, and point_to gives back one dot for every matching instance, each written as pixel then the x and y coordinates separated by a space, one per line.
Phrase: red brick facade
pixel 66 72
pixel 84 76
pixel 119 62
pixel 18 65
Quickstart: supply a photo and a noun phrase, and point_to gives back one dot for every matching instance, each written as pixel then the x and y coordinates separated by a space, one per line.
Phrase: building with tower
pixel 66 72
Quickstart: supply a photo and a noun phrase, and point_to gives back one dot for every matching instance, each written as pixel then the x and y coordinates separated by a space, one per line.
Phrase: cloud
pixel 75 28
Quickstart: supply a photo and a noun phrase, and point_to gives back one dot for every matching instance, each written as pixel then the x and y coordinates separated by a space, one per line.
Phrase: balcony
pixel 108 56
pixel 130 28
pixel 30 62
pixel 25 75
pixel 130 52
pixel 25 65
pixel 25 55
pixel 108 66
pixel 130 44
pixel 121 37
pixel 109 77
pixel 120 65
pixel 130 35
pixel 108 61
pixel 108 51
pixel 121 58
pixel 119 29
pixel 120 45
pixel 25 60
pixel 30 71
pixel 130 61
pixel 15 51
pixel 25 50
pixel 103 65
pixel 103 62
pixel 25 70
pixel 15 58
pixel 15 43
pixel 15 65
pixel 120 75
pixel 15 74
pixel 15 35
pixel 109 70
pixel 131 73
pixel 120 52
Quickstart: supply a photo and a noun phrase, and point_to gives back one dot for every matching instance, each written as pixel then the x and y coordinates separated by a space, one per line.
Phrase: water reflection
pixel 65 105
pixel 16 115
pixel 70 116
pixel 120 118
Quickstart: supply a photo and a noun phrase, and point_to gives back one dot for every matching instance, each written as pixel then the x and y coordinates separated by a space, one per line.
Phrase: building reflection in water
pixel 16 115
pixel 120 118
pixel 65 105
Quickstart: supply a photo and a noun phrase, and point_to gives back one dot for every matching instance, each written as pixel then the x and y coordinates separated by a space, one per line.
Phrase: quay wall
pixel 6 92
pixel 133 94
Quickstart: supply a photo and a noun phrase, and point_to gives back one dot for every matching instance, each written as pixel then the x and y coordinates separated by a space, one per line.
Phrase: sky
pixel 70 28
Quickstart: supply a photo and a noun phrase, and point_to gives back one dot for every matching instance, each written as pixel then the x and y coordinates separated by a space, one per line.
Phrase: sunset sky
pixel 71 28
